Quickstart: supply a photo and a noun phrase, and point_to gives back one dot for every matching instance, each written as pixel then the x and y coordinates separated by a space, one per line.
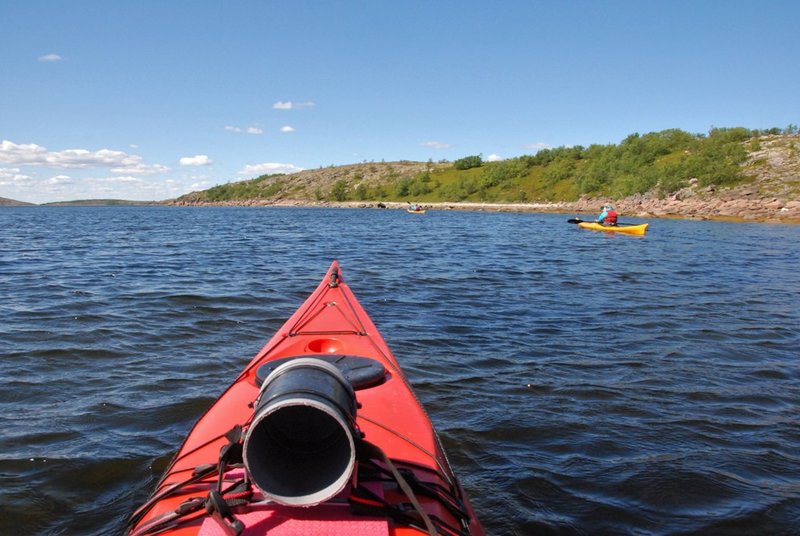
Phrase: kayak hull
pixel 627 229
pixel 331 322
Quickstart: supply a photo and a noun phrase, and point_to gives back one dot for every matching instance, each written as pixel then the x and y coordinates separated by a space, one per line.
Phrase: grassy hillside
pixel 661 162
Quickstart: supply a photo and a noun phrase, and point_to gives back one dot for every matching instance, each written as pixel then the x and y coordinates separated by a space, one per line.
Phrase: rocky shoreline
pixel 679 205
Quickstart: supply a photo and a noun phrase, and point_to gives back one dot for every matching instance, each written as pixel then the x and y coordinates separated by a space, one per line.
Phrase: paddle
pixel 620 224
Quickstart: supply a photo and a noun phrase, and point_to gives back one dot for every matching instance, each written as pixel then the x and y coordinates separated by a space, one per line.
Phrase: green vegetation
pixel 256 188
pixel 661 162
pixel 468 162
pixel 339 191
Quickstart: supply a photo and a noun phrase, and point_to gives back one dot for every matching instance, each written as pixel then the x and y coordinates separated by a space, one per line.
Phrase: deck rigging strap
pixel 365 501
pixel 219 502
pixel 369 451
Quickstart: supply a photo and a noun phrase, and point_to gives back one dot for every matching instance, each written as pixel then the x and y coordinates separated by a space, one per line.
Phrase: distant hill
pixel 334 183
pixel 99 203
pixel 4 202
pixel 80 203
pixel 734 172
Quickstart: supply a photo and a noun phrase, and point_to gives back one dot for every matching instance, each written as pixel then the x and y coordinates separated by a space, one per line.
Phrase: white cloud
pixel 202 185
pixel 82 158
pixel 248 130
pixel 196 160
pixel 493 158
pixel 35 155
pixel 7 172
pixel 269 168
pixel 12 176
pixel 287 128
pixel 13 153
pixel 538 146
pixel 43 187
pixel 435 145
pixel 141 169
pixel 290 105
pixel 50 57
pixel 125 180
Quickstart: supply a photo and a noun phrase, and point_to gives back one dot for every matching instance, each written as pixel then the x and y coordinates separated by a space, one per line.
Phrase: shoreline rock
pixel 734 209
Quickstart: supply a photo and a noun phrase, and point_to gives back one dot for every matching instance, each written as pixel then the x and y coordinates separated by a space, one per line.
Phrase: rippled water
pixel 582 383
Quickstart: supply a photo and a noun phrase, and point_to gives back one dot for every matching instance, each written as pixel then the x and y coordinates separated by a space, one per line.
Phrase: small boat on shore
pixel 320 433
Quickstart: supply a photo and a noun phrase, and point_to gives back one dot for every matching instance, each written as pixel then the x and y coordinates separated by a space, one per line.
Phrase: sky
pixel 151 99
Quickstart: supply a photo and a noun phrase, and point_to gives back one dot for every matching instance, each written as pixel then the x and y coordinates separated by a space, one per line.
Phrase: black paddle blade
pixel 574 220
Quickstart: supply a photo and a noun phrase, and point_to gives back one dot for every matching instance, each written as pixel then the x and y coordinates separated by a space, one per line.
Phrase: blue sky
pixel 148 100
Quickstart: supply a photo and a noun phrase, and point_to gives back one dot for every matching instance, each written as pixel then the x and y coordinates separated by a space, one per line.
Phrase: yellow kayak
pixel 628 229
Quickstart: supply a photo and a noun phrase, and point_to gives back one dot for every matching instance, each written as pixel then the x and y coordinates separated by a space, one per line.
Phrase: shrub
pixel 402 188
pixel 468 162
pixel 339 190
pixel 499 172
pixel 558 171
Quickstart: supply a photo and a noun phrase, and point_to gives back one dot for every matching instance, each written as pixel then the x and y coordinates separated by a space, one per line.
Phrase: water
pixel 582 383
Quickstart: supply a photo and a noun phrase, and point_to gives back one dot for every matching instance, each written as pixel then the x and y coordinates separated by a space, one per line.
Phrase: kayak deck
pixel 330 323
pixel 627 229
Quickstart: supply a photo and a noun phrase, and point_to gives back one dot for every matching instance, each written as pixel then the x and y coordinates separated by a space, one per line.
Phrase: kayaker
pixel 608 216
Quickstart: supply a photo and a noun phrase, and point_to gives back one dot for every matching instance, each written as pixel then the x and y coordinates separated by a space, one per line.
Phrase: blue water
pixel 582 382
